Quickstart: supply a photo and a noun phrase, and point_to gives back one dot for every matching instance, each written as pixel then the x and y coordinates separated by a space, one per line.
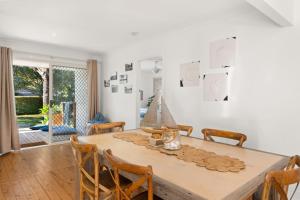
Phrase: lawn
pixel 25 121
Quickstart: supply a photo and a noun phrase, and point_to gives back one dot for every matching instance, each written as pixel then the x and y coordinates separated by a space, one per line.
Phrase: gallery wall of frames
pixel 119 80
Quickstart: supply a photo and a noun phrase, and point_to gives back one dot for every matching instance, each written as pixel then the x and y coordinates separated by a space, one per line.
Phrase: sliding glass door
pixel 68 102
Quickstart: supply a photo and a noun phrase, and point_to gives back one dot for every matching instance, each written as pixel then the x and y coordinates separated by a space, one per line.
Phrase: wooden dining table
pixel 177 179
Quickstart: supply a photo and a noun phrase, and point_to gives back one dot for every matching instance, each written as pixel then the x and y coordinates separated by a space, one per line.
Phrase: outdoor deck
pixel 29 138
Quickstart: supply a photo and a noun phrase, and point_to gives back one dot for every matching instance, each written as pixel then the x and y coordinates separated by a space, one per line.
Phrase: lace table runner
pixel 202 158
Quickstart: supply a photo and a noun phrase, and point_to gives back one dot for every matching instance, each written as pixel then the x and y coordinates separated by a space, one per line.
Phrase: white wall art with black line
pixel 223 53
pixel 215 87
pixel 190 74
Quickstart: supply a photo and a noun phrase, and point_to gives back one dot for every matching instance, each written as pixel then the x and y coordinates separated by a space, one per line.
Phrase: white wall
pixel 265 84
pixel 119 106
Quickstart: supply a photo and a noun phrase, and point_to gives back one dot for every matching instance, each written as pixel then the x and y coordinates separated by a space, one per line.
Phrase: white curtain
pixel 9 136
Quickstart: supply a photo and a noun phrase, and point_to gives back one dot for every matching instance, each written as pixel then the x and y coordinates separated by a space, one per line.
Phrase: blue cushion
pixel 93 121
pixel 143 112
pixel 63 130
pixel 99 117
pixel 38 127
pixel 45 128
pixel 60 130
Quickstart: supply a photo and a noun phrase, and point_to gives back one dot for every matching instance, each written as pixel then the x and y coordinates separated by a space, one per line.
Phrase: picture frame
pixel 123 78
pixel 114 77
pixel 106 83
pixel 114 88
pixel 128 89
pixel 128 67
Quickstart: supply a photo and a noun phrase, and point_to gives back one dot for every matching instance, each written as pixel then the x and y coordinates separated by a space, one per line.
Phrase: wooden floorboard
pixel 43 173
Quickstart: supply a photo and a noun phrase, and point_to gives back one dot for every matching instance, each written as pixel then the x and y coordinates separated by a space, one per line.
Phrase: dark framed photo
pixel 123 78
pixel 128 89
pixel 114 77
pixel 114 88
pixel 106 83
pixel 129 67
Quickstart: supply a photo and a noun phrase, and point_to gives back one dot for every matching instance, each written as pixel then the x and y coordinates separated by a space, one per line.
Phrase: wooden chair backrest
pixel 86 155
pixel 208 133
pixel 187 129
pixel 282 179
pixel 107 127
pixel 294 161
pixel 144 175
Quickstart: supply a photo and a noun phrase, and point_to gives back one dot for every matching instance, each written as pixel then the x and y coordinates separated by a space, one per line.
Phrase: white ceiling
pixel 100 25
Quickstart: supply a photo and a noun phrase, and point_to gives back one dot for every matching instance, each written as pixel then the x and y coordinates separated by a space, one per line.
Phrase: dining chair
pixel 94 182
pixel 294 161
pixel 144 175
pixel 280 180
pixel 210 133
pixel 185 128
pixel 107 127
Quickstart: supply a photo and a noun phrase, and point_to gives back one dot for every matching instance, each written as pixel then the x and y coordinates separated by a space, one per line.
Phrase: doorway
pixel 31 84
pixel 150 84
pixel 68 102
pixel 51 102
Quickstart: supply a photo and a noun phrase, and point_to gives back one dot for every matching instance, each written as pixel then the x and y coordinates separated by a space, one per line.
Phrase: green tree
pixel 33 79
pixel 36 80
pixel 63 85
pixel 28 78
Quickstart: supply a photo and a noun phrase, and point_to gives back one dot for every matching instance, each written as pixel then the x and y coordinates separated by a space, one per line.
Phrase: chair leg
pixel 81 197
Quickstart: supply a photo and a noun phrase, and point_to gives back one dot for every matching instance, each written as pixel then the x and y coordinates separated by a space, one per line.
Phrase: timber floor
pixel 43 173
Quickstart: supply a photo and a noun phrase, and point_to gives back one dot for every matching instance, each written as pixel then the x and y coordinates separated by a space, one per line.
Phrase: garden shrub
pixel 27 105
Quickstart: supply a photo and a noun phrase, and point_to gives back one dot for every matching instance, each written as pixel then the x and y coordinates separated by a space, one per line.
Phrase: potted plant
pixel 57 116
pixel 45 112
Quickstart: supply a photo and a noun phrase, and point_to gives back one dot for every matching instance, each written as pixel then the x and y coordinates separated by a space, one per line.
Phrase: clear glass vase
pixel 171 138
